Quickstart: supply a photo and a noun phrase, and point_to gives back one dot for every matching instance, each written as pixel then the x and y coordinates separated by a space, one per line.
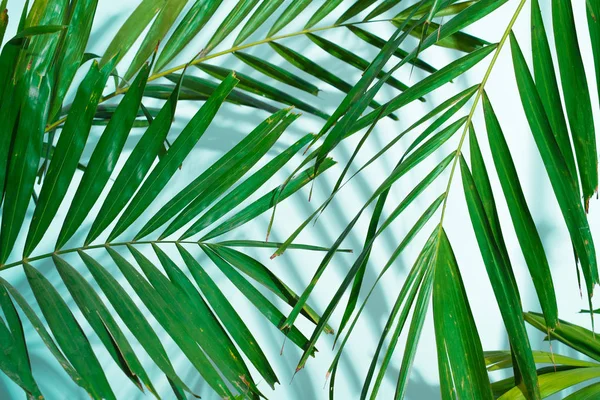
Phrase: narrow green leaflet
pixel 67 153
pixel 312 68
pixel 378 42
pixel 547 85
pixel 414 332
pixel 577 96
pixel 227 314
pixel 384 6
pixel 263 275
pixel 137 165
pixel 167 166
pixel 213 174
pixel 233 19
pixel 460 355
pixel 46 338
pixel 216 332
pixel 256 151
pixel 250 185
pixel 132 29
pixel 404 302
pixel 104 158
pixel 167 314
pixel 260 15
pixel 356 99
pixel 427 85
pixel 198 323
pixel 159 28
pixel 276 72
pixel 68 333
pixel 355 9
pixel 352 59
pixel 556 168
pixel 456 41
pixel 593 15
pixel 74 41
pixel 15 359
pixel 133 318
pixel 24 162
pixel 191 24
pixel 527 233
pixel 257 87
pixel 267 201
pixel 326 8
pixel 101 320
pixel 288 15
pixel 256 298
pixel 275 245
pixel 206 88
pixel 503 283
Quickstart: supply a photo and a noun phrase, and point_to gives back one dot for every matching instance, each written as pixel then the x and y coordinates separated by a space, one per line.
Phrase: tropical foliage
pixel 119 227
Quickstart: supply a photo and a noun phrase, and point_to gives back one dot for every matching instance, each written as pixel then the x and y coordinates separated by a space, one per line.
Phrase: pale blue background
pixel 297 267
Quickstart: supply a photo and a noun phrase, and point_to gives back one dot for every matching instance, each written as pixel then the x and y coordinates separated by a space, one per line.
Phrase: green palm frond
pixel 119 225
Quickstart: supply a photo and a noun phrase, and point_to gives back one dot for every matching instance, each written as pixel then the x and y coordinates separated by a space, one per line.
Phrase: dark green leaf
pixel 138 164
pixel 577 96
pixel 267 201
pixel 206 88
pixel 227 314
pixel 250 185
pixel 233 19
pixel 212 175
pixel 352 59
pixel 68 333
pixel 355 9
pixel 527 233
pixel 288 15
pixel 103 324
pixel 563 184
pixel 262 13
pixel 167 315
pixel 378 42
pixel 256 86
pixel 312 68
pixel 277 73
pixel 133 318
pixel 24 162
pixel 545 76
pixel 104 158
pixel 326 8
pixel 74 43
pixel 462 368
pixel 192 23
pixel 503 283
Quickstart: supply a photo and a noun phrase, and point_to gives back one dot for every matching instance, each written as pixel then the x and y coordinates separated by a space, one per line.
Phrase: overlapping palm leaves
pixel 41 63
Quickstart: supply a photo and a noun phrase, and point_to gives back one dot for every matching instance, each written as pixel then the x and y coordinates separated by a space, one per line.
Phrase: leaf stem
pixel 474 108
pixel 91 247
pixel 199 60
